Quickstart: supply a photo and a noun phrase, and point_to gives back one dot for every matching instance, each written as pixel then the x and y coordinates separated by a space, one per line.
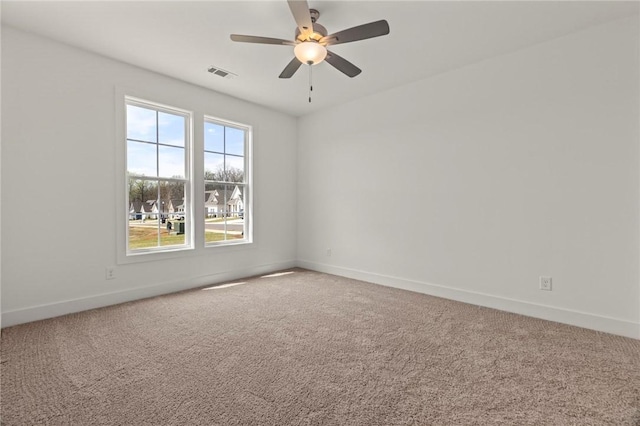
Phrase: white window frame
pixel 246 184
pixel 199 110
pixel 187 180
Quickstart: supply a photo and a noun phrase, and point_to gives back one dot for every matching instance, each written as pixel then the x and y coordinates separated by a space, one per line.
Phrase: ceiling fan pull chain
pixel 310 82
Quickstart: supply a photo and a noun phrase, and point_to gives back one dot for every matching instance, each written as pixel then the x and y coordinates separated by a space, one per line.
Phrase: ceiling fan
pixel 311 40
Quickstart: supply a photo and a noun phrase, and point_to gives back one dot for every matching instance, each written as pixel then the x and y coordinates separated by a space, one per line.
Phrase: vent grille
pixel 220 72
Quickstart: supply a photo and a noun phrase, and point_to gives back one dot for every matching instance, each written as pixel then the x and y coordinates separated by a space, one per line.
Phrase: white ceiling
pixel 182 39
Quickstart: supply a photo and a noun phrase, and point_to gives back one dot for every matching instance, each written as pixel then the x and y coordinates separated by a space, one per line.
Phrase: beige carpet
pixel 309 348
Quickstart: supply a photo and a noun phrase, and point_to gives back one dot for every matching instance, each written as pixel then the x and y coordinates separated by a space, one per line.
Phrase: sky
pixel 156 147
pixel 216 138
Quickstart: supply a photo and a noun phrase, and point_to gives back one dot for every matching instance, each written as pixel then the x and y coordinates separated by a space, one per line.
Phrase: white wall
pixel 59 183
pixel 519 166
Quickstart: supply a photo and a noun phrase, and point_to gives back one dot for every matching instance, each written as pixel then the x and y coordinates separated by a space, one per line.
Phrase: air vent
pixel 220 72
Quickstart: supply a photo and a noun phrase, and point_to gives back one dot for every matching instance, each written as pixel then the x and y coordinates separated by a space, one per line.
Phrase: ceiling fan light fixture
pixel 311 39
pixel 310 52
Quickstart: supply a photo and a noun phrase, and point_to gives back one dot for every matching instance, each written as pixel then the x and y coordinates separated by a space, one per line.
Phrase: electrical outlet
pixel 110 273
pixel 328 252
pixel 545 283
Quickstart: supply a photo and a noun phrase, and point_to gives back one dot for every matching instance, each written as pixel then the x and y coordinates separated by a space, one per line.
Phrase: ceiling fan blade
pixel 291 68
pixel 361 32
pixel 300 12
pixel 342 65
pixel 261 40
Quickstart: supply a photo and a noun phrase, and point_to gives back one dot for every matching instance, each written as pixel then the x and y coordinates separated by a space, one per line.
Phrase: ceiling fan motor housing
pixel 319 31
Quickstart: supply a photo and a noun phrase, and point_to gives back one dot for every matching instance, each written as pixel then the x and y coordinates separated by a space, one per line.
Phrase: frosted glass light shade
pixel 310 52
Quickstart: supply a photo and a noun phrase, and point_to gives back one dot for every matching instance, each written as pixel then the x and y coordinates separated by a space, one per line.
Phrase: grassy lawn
pixel 140 237
pixel 210 237
pixel 143 237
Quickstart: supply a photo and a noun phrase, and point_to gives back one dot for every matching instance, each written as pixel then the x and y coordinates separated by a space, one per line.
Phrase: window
pixel 169 155
pixel 158 177
pixel 226 187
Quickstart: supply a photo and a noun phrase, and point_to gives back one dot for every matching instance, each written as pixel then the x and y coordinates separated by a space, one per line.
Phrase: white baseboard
pixel 50 310
pixel 566 316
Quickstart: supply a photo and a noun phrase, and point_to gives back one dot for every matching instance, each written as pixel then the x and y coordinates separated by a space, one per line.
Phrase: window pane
pixel 176 215
pixel 143 214
pixel 170 129
pixel 157 214
pixel 234 168
pixel 214 213
pixel 224 212
pixel 141 123
pixel 171 161
pixel 234 213
pixel 141 158
pixel 234 141
pixel 213 137
pixel 175 203
pixel 213 166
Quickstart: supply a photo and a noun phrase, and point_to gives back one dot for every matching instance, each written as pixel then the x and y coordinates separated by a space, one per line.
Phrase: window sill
pixel 182 252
